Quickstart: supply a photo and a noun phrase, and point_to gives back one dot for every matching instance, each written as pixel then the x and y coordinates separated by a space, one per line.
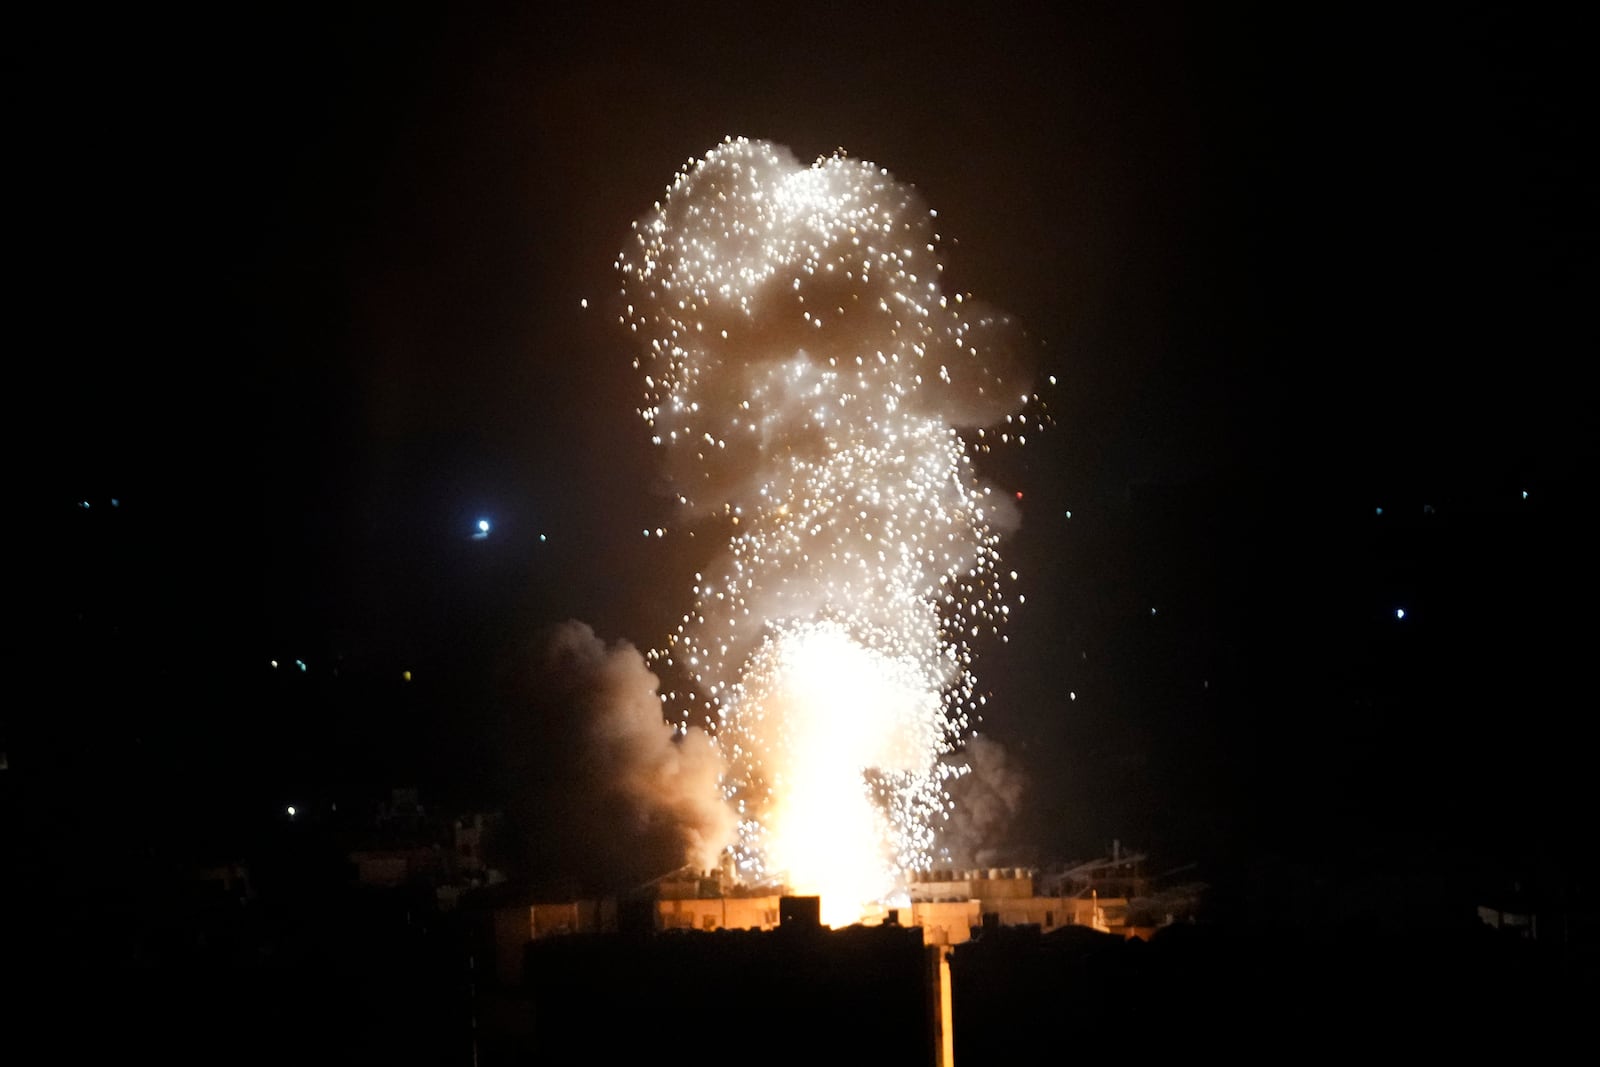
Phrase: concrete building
pixel 949 904
pixel 946 905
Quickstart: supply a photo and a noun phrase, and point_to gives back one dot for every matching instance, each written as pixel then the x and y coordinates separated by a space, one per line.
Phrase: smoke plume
pixel 986 798
pixel 811 382
pixel 618 793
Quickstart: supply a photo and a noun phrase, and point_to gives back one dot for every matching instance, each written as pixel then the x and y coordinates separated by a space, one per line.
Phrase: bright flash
pixel 811 383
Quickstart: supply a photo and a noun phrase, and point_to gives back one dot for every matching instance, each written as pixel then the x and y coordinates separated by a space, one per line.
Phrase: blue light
pixel 482 530
pixel 1399 613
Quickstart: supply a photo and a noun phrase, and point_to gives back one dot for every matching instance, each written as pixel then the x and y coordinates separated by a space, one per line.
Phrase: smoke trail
pixel 808 378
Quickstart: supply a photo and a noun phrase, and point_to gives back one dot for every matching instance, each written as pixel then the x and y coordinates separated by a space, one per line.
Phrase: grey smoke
pixel 986 799
pixel 631 762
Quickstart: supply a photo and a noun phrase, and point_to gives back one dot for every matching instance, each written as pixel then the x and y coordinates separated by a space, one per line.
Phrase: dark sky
pixel 312 291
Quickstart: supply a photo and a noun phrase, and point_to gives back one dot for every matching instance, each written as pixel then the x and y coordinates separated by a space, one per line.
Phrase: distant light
pixel 115 502
pixel 541 537
pixel 1378 511
pixel 85 503
pixel 291 811
pixel 1069 514
pixel 274 664
pixel 300 663
pixel 1072 696
pixel 1152 611
pixel 1052 379
pixel 1399 613
pixel 584 302
pixel 1524 495
pixel 1019 494
pixel 483 530
pixel 405 676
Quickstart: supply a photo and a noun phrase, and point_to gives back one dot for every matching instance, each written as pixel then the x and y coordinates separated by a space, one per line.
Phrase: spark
pixel 810 383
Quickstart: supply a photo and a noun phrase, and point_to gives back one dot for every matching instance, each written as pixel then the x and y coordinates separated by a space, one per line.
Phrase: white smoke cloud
pixel 812 382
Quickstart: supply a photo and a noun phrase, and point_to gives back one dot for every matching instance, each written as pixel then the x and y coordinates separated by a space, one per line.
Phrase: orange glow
pixel 831 710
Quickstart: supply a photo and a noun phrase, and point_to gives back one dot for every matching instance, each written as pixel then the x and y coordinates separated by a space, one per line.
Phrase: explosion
pixel 809 381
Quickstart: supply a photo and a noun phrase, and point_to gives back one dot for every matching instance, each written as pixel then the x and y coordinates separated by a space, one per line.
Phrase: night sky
pixel 312 291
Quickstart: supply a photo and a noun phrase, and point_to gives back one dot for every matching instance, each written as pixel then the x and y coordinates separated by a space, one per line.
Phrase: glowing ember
pixel 807 376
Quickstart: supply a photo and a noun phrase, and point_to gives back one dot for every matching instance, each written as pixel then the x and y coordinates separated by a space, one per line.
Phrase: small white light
pixel 291 811
pixel 1399 613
